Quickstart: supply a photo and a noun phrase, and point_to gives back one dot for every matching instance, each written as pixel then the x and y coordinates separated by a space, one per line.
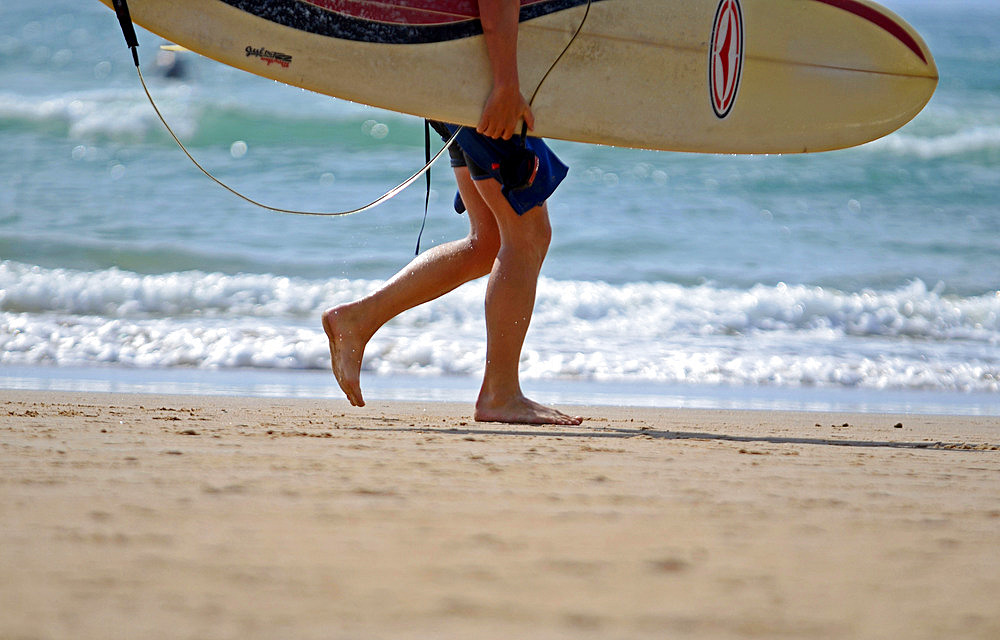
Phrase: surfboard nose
pixel 846 71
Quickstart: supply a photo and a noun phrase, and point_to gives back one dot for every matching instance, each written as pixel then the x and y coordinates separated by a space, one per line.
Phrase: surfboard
pixel 715 76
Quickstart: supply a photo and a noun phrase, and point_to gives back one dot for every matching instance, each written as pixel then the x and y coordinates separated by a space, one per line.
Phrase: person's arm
pixel 505 107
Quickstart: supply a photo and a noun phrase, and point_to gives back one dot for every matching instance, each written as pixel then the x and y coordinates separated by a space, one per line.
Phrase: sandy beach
pixel 149 516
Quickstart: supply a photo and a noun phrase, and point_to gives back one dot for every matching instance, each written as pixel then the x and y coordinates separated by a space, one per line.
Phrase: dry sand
pixel 198 517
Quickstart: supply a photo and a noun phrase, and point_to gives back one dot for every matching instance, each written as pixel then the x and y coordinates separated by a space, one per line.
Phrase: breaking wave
pixel 914 337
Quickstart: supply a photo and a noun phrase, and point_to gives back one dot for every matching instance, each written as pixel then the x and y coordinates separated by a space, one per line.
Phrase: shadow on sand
pixel 497 429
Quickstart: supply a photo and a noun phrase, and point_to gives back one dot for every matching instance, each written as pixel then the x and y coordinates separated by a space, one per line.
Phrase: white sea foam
pixel 119 294
pixel 913 337
pixel 978 139
pixel 125 115
pixel 115 114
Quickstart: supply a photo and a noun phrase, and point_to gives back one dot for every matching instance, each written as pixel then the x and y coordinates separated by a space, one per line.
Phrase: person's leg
pixel 510 300
pixel 435 272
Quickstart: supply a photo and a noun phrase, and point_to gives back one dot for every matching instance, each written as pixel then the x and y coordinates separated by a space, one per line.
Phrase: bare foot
pixel 521 410
pixel 346 351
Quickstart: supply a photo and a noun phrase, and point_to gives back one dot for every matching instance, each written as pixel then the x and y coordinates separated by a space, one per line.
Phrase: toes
pixel 356 399
pixel 351 389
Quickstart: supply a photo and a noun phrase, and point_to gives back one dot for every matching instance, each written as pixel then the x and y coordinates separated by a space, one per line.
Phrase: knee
pixel 544 235
pixel 540 241
pixel 482 250
pixel 531 240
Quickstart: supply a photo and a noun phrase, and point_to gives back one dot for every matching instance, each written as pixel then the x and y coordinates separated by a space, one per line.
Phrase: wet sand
pixel 146 516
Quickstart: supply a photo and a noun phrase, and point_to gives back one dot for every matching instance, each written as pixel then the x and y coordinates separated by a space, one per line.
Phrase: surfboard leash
pixel 125 19
pixel 128 30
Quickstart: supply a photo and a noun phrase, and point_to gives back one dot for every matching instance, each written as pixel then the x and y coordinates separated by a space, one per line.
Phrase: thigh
pixel 482 222
pixel 531 227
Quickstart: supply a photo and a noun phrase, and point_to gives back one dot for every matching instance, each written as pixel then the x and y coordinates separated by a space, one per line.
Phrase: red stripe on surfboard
pixel 407 12
pixel 876 17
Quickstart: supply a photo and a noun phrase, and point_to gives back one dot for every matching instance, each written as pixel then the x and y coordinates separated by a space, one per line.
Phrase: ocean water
pixel 865 278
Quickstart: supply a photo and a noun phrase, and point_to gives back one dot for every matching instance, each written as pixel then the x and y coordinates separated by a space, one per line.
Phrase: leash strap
pixel 128 29
pixel 427 193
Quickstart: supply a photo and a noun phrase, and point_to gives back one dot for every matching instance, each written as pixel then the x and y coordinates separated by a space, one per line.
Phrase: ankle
pixel 349 319
pixel 494 397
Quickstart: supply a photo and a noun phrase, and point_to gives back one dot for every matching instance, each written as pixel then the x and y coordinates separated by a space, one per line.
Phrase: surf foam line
pixel 663 308
pixel 968 141
pixel 226 344
pixel 912 337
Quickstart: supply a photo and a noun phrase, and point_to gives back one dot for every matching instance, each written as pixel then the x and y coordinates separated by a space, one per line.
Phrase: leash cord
pixel 121 9
pixel 383 198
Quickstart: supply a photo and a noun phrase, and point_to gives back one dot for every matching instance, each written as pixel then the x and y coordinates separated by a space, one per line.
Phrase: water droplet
pixel 102 69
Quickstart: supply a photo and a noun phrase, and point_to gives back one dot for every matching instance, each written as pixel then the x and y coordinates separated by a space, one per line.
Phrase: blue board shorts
pixel 486 157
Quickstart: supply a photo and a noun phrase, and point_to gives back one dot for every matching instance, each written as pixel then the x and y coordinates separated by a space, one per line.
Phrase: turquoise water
pixel 868 271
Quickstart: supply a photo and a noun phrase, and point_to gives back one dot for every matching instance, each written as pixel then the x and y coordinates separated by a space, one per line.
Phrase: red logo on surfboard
pixel 725 57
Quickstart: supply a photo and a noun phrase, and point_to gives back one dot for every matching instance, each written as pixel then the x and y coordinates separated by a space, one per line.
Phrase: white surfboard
pixel 718 76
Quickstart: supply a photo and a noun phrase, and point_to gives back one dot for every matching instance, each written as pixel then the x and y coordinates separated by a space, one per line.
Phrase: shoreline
pixel 219 517
pixel 320 385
